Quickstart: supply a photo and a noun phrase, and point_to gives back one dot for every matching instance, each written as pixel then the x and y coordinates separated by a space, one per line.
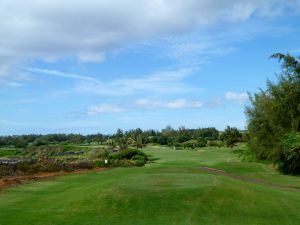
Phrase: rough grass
pixel 12 152
pixel 171 190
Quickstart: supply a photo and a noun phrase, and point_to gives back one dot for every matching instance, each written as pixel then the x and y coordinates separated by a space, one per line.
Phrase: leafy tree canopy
pixel 275 112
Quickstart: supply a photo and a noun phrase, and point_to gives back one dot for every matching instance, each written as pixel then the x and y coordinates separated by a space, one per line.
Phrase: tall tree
pixel 231 136
pixel 274 112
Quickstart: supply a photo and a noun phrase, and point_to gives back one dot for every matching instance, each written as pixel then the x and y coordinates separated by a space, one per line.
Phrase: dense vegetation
pixel 274 118
pixel 181 137
pixel 32 140
pixel 51 159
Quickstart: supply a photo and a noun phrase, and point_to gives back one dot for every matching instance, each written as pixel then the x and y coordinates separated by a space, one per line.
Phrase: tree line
pixel 178 138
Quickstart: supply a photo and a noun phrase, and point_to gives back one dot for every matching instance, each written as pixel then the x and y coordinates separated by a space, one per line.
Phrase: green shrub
pixel 290 154
pixel 139 160
pixel 123 163
pixel 125 158
pixel 231 136
pixel 194 143
pixel 201 142
pixel 101 163
pixel 218 144
pixel 81 164
pixel 128 154
pixel 138 157
pixel 7 170
pixel 211 144
pixel 48 165
pixel 129 158
pixel 24 168
pixel 100 153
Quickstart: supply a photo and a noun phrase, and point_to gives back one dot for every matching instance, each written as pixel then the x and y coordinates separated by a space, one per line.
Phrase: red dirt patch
pixel 16 180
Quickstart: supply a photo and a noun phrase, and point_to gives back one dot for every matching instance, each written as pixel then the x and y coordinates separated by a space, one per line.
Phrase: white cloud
pixel 11 77
pixel 239 98
pixel 16 123
pixel 59 74
pixel 182 103
pixel 171 104
pixel 197 49
pixel 92 57
pixel 88 29
pixel 145 104
pixel 105 108
pixel 54 29
pixel 14 84
pixel 22 102
pixel 161 82
pixel 5 122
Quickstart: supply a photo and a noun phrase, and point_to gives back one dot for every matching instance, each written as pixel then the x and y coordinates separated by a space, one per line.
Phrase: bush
pixel 7 170
pixel 231 136
pixel 212 144
pixel 101 163
pixel 290 154
pixel 24 168
pixel 139 160
pixel 123 163
pixel 128 154
pixel 82 164
pixel 49 165
pixel 100 153
pixel 128 158
pixel 201 142
pixel 194 143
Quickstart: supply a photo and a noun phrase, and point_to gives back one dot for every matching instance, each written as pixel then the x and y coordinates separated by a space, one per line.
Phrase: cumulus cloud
pixel 171 104
pixel 105 108
pixel 239 98
pixel 88 28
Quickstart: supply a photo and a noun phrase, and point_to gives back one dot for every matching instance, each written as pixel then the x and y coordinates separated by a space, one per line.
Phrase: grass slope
pixel 172 190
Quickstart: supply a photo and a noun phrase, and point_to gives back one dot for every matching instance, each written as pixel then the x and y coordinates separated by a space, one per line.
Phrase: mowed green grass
pixel 171 190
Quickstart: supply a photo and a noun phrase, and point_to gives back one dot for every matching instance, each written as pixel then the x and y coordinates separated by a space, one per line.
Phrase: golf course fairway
pixel 176 188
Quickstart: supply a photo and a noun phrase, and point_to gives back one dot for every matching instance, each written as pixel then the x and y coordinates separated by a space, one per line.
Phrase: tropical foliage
pixel 275 112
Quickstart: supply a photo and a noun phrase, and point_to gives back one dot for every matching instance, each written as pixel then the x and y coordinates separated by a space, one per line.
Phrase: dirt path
pixel 15 180
pixel 250 180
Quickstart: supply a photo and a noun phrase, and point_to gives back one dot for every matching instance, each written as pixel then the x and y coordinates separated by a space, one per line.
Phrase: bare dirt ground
pixel 16 180
pixel 249 179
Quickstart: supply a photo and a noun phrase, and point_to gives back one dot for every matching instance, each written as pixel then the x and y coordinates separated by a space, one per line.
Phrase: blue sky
pixel 95 66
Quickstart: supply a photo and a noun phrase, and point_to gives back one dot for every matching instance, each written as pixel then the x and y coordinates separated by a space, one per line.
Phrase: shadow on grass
pixel 152 159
